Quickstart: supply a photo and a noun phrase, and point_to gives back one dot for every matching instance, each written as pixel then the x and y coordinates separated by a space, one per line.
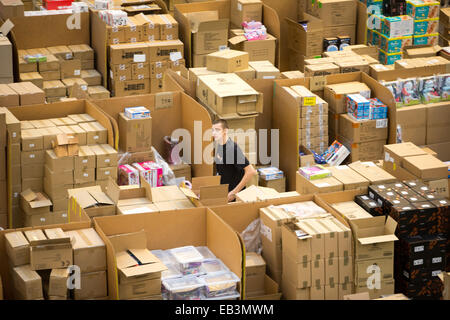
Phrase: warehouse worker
pixel 231 164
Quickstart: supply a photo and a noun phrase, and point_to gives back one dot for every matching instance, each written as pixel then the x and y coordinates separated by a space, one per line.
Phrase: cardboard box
pixel 130 87
pixel 307 42
pixel 245 11
pixel 362 275
pixel 48 253
pixel 17 248
pixel 335 94
pixel 98 92
pixel 52 64
pixel 28 93
pixel 33 77
pixel 54 89
pixel 81 52
pixel 305 186
pixel 27 283
pixel 34 203
pixel 371 172
pixel 314 70
pixel 89 251
pixel 278 184
pixel 199 60
pixel 386 288
pixel 93 285
pixel 57 286
pixel 70 69
pixel 426 167
pixel 292 75
pixel 8 97
pixel 135 134
pixel 61 52
pixel 355 66
pixel 11 8
pixel 105 173
pixel 271 291
pixel 227 61
pixel 227 94
pixel 164 50
pixel 93 201
pixel 413 124
pixel 91 77
pixel 209 33
pixel 32 140
pixel 85 159
pixel 95 133
pixel 374 237
pixel 349 178
pixel 106 156
pixel 395 153
pixel 363 151
pixel 255 272
pixel 84 176
pixel 335 12
pixel 265 70
pixel 70 82
pixel 129 53
pixel 258 50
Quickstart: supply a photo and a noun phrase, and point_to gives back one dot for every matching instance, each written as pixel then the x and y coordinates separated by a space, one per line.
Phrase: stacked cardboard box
pixel 6 65
pixel 444 27
pixel 21 94
pixel 255 271
pixel 313 121
pixel 374 252
pixel 93 200
pixel 338 62
pixel 258 50
pixel 3 175
pixel 56 69
pixel 208 34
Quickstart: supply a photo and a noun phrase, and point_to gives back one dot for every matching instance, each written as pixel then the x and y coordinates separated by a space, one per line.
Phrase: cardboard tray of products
pixel 174 109
pixel 168 230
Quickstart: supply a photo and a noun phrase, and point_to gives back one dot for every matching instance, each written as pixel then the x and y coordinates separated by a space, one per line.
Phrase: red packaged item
pixel 57 4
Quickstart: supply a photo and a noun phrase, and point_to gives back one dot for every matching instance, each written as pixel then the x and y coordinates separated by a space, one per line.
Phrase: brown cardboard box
pixel 52 64
pixel 386 288
pixel 70 82
pixel 335 94
pixel 85 158
pixel 341 31
pixel 278 184
pixel 27 283
pixel 255 271
pixel 98 92
pixel 130 87
pixel 92 77
pixel 258 50
pixel 375 237
pixel 82 52
pixel 129 52
pixel 209 33
pixel 87 64
pixel 350 179
pixel 355 66
pixel 13 132
pixel 58 178
pixel 95 133
pixel 28 92
pixel 34 202
pixel 247 74
pixel 49 134
pixel 305 186
pixel 194 73
pixel 17 248
pixel 395 153
pixel 168 26
pixel 199 60
pixel 121 72
pixel 32 140
pixel 164 50
pixel 438 123
pixel 228 94
pixel 11 8
pixel 386 266
pixel 308 158
pixel 227 61
pixel 271 291
pixel 106 156
pixel 48 253
pixel 89 251
pixel 321 69
pixel 93 285
pixel 422 52
pixel 265 70
pixel 105 173
pixel 61 52
pixel 84 176
pixel 299 274
pixel 140 71
pixel 93 201
pixel 32 183
pixel 75 131
pixel 70 69
pixel 371 172
pixel 33 77
pixel 364 151
pixel 32 157
pixel 135 134
pixel 245 11
pixel 413 124
pixel 57 286
pixel 335 12
pixel 8 97
pixel 54 88
pixel 25 67
pixel 58 164
pixel 426 167
pixel 292 75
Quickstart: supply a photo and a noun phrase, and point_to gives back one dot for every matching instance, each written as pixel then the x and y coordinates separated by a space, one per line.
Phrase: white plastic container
pixel 210 266
pixel 188 259
pixel 205 252
pixel 185 288
pixel 220 284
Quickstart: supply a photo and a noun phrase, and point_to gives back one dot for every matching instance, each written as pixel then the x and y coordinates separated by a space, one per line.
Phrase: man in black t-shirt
pixel 231 164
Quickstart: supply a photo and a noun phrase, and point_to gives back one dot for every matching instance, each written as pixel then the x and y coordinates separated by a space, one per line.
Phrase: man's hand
pixel 231 196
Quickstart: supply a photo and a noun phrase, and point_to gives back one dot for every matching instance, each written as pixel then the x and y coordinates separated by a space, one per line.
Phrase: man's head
pixel 220 130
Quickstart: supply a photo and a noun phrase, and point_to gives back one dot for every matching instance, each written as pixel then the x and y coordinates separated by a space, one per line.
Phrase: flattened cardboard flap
pixel 101 197
pixel 390 225
pixel 38 199
pixel 189 193
pixel 237 39
pixel 126 241
pixel 377 239
pixel 196 18
pixel 84 199
pixel 199 182
pixel 208 26
pixel 214 192
pixel 29 195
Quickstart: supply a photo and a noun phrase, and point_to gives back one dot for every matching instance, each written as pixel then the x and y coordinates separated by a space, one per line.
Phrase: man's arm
pixel 249 172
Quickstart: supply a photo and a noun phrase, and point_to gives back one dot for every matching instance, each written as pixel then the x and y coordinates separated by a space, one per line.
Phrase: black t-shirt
pixel 230 163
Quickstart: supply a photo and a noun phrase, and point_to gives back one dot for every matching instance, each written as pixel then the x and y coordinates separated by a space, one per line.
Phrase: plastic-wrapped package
pixel 219 284
pixel 188 259
pixel 410 94
pixel 429 90
pixel 213 266
pixel 444 86
pixel 206 253
pixel 164 256
pixel 168 175
pixel 395 89
pixel 304 210
pixel 251 236
pixel 185 288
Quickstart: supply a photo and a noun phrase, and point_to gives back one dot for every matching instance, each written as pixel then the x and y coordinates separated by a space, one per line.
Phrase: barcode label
pixel 418 262
pixel 32 156
pixel 31 145
pixel 77 72
pixel 95 137
pixel 84 161
pixel 381 123
pixel 419 249
pixel 85 175
pixel 436 260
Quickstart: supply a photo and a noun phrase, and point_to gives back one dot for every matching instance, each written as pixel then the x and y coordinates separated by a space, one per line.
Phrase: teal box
pixel 369 36
pixel 427 39
pixel 418 9
pixel 376 38
pixel 375 21
pixel 391 45
pixel 389 58
pixel 427 26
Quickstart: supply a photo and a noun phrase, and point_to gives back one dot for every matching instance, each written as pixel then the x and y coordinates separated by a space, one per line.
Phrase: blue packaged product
pixel 394 45
pixel 358 106
pixel 429 90
pixel 389 58
pixel 426 26
pixel 426 39
pixel 395 89
pixel 378 110
pixel 399 26
pixel 376 38
pixel 410 94
pixel 420 9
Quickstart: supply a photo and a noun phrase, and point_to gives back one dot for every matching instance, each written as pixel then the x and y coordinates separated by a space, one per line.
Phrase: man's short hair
pixel 224 123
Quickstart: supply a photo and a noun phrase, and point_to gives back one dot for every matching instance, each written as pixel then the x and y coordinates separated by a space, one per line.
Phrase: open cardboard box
pixel 78 220
pixel 207 191
pixel 239 215
pixel 94 201
pixel 286 113
pixel 173 109
pixel 270 21
pixel 169 230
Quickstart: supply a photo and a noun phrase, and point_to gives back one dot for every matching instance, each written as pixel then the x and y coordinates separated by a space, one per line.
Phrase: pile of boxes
pixel 272 177
pixel 20 94
pixel 313 120
pixel 6 58
pixel 141 51
pixel 56 69
pixel 39 261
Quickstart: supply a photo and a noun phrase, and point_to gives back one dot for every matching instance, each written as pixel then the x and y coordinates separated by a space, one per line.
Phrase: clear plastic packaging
pixel 235 296
pixel 205 252
pixel 410 92
pixel 429 90
pixel 171 272
pixel 210 266
pixel 395 89
pixel 219 284
pixel 444 86
pixel 304 210
pixel 185 288
pixel 165 256
pixel 189 260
